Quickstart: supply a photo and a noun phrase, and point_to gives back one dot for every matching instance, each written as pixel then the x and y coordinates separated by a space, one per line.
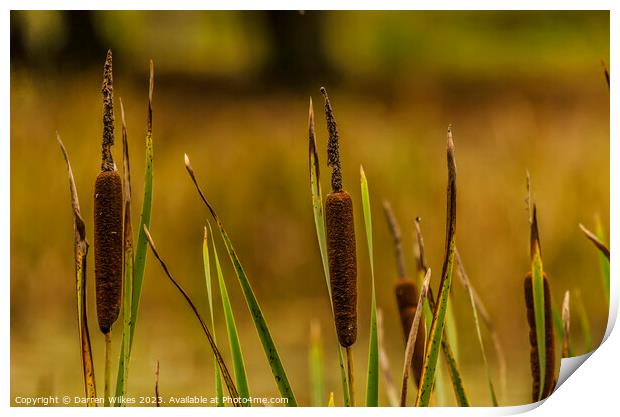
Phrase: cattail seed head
pixel 549 382
pixel 107 162
pixel 340 233
pixel 407 301
pixel 108 247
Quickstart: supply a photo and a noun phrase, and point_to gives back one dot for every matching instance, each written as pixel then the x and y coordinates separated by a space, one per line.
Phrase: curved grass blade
pixel 539 301
pixel 566 349
pixel 319 223
pixel 317 366
pixel 594 239
pixel 466 283
pixel 231 328
pixel 80 249
pixel 413 332
pixel 277 369
pixel 384 364
pixel 219 390
pixel 230 385
pixel 439 314
pixel 372 382
pixel 139 263
pixel 128 265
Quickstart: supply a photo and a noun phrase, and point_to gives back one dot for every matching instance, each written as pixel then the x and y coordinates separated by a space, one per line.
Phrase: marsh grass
pixel 138 256
pixel 231 325
pixel 470 293
pixel 230 385
pixel 372 381
pixel 439 313
pixel 273 358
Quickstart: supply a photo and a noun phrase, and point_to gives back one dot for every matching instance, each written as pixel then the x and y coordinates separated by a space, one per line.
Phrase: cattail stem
pixel 351 375
pixel 108 369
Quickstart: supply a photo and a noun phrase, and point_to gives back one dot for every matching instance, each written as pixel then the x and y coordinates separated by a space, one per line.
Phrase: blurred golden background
pixel 523 91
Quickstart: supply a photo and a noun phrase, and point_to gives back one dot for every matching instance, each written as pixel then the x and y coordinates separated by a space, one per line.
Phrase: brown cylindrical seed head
pixel 407 301
pixel 549 382
pixel 340 235
pixel 108 247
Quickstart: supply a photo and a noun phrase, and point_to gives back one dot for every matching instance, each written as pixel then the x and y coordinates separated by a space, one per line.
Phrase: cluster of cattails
pixel 406 297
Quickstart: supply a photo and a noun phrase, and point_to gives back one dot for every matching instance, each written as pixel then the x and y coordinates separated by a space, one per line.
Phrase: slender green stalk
pixel 128 259
pixel 139 262
pixel 316 365
pixel 273 358
pixel 474 309
pixel 219 390
pixel 231 327
pixel 319 223
pixel 448 353
pixel 372 382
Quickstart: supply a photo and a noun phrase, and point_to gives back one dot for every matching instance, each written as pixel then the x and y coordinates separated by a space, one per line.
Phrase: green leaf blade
pixel 231 329
pixel 219 389
pixel 277 369
pixel 372 381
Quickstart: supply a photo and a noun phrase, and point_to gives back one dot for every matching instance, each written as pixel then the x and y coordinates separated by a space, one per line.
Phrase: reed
pixel 539 316
pixel 80 250
pixel 435 340
pixel 230 385
pixel 406 296
pixel 340 234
